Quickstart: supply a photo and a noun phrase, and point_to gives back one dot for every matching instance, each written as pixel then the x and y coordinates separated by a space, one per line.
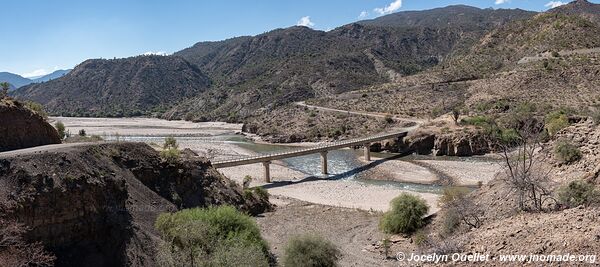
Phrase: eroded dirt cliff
pixel 20 127
pixel 95 204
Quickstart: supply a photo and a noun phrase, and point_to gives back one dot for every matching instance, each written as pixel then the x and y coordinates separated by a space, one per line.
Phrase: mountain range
pixel 246 76
pixel 17 81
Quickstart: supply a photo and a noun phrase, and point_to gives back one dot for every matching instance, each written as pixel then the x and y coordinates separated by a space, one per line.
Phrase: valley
pixel 451 130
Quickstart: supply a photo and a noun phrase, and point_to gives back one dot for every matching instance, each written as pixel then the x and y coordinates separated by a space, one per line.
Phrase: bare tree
pixel 457 200
pixel 525 174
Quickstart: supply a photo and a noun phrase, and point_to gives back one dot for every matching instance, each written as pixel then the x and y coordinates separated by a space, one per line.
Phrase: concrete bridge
pixel 322 149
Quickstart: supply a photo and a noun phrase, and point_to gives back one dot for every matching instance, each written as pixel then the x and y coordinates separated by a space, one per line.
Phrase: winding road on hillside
pixel 361 113
pixel 46 149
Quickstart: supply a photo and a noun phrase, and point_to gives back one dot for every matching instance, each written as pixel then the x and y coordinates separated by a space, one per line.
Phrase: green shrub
pixel 556 121
pixel 247 181
pixel 215 236
pixel 261 192
pixel 577 193
pixel 37 108
pixel 566 151
pixel 481 121
pixel 389 119
pixel 82 132
pixel 171 155
pixel 60 127
pixel 405 216
pixel 170 142
pixel 310 250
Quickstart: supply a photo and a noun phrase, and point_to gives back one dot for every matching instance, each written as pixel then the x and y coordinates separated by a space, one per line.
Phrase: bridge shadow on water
pixel 338 176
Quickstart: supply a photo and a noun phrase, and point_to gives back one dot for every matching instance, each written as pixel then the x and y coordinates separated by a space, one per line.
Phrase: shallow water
pixel 343 164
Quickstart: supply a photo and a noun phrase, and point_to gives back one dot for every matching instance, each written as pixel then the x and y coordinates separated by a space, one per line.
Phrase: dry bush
pixel 525 174
pixel 15 251
pixel 460 208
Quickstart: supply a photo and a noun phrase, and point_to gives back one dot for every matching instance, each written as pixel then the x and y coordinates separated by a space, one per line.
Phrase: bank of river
pixel 348 185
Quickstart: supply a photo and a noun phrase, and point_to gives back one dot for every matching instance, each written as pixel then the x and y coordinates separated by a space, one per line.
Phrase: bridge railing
pixel 306 149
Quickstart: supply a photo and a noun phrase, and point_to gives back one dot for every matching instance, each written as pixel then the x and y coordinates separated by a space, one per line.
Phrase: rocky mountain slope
pixel 17 81
pixel 582 8
pixel 503 47
pixel 272 69
pixel 95 205
pixel 121 87
pixel 551 60
pixel 14 79
pixel 22 127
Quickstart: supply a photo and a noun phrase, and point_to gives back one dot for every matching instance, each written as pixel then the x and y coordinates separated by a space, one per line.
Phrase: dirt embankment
pixel 505 230
pixel 20 127
pixel 95 205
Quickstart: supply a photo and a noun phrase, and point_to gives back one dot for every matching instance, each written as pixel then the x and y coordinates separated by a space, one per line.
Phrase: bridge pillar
pixel 323 162
pixel 367 151
pixel 267 171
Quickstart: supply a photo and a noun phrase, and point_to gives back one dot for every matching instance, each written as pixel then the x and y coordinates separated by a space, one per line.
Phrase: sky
pixel 40 36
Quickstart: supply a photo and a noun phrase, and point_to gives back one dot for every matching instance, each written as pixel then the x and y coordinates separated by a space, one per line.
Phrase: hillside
pixel 551 60
pixel 286 65
pixel 561 29
pixel 14 79
pixel 22 127
pixel 582 8
pixel 51 76
pixel 96 204
pixel 270 70
pixel 122 87
pixel 466 18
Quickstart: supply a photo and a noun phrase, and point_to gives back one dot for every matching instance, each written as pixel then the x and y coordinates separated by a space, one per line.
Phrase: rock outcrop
pixel 459 144
pixel 20 127
pixel 95 205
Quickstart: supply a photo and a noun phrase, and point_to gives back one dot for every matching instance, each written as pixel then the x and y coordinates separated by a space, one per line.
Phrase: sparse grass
pixel 451 221
pixel 420 238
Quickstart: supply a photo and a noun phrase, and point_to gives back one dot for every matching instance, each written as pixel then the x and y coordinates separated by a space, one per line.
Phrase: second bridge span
pixel 322 149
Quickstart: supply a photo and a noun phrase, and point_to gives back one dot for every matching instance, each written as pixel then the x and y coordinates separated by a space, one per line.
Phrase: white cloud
pixel 500 2
pixel 553 4
pixel 39 72
pixel 363 14
pixel 159 53
pixel 391 8
pixel 305 21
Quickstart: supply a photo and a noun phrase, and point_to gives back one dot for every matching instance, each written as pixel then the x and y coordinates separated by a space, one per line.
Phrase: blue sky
pixel 39 36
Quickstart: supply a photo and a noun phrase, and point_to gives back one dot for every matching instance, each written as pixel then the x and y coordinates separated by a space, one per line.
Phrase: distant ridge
pixel 17 81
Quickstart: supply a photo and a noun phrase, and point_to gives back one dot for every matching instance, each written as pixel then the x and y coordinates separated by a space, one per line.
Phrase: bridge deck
pixel 244 160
